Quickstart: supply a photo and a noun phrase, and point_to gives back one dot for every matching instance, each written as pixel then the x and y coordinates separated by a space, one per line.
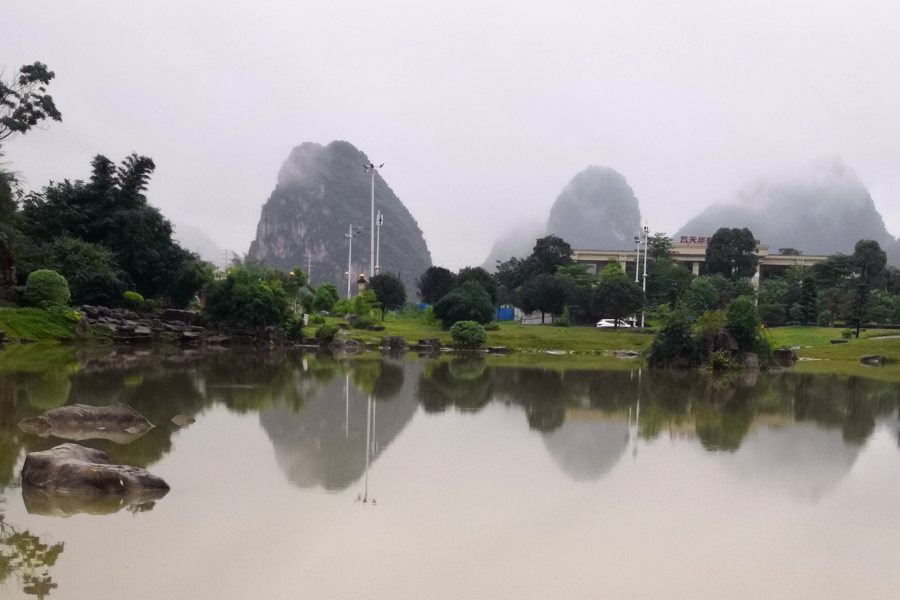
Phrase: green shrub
pixel 64 312
pixel 847 334
pixel 46 288
pixel 721 360
pixel 675 342
pixel 428 317
pixel 248 298
pixel 468 334
pixel 327 332
pixel 366 322
pixel 154 307
pixel 743 322
pixel 293 329
pixel 324 298
pixel 562 321
pixel 315 319
pixel 133 300
pixel 492 326
pixel 341 307
pixel 468 302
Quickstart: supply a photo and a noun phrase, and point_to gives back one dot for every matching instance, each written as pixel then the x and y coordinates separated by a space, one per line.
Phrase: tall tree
pixel 482 278
pixel 732 253
pixel 868 261
pixel 551 253
pixel 617 295
pixel 809 301
pixel 389 290
pixel 858 309
pixel 24 101
pixel 659 246
pixel 435 283
pixel 545 293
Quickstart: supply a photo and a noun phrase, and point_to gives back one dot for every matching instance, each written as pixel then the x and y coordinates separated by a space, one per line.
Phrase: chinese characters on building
pixel 690 239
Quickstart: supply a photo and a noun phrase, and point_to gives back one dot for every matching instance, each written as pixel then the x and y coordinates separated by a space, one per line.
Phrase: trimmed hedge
pixel 46 288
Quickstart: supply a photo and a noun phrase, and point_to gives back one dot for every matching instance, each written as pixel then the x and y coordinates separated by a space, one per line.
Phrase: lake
pixel 377 477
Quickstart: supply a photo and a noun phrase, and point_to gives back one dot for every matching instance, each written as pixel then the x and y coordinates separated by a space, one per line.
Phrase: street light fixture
pixel 350 236
pixel 379 221
pixel 370 168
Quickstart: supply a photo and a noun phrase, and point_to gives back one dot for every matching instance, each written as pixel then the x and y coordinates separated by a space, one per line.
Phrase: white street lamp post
pixel 350 236
pixel 379 221
pixel 637 260
pixel 370 168
pixel 646 252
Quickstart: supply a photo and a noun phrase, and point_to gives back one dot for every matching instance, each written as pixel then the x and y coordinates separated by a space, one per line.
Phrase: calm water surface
pixel 378 478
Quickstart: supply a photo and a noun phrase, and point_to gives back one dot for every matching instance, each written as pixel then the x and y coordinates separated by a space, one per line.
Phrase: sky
pixel 481 111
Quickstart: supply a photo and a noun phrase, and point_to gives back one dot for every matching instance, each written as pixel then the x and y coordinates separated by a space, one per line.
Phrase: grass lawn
pixel 34 324
pixel 520 337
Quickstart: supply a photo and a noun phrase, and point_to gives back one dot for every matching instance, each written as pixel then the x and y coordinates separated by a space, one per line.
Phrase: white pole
pixel 372 230
pixel 347 405
pixel 646 252
pixel 368 441
pixel 308 266
pixel 637 260
pixel 378 245
pixel 349 260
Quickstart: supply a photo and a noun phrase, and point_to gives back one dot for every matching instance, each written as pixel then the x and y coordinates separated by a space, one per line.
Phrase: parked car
pixel 611 323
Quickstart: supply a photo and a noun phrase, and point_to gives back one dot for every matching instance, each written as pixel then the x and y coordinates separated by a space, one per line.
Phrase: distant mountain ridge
pixel 823 209
pixel 321 191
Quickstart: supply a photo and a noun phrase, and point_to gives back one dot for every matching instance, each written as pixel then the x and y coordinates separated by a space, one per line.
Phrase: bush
pixel 492 326
pixel 744 325
pixel 133 300
pixel 327 332
pixel 341 307
pixel 325 297
pixel 315 319
pixel 847 334
pixel 64 312
pixel 721 360
pixel 46 288
pixel 248 298
pixel 152 306
pixel 562 321
pixel 293 329
pixel 468 334
pixel 428 317
pixel 675 343
pixel 367 322
pixel 468 302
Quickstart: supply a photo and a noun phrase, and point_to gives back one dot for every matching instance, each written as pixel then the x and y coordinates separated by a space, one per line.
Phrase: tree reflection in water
pixel 27 559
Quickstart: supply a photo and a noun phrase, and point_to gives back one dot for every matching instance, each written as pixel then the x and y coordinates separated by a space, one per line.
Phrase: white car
pixel 611 323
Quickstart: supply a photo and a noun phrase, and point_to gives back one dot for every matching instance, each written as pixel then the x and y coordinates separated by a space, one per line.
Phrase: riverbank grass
pixel 34 324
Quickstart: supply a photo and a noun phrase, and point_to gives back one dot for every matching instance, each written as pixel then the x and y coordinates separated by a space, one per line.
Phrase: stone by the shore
pixel 183 421
pixel 75 468
pixel 118 423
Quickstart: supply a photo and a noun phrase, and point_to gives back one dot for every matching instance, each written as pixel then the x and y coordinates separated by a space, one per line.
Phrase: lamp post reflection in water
pixel 370 435
pixel 347 404
pixel 634 427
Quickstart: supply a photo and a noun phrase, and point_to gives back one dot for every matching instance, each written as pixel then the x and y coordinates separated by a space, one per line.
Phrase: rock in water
pixel 118 423
pixel 321 191
pixel 596 210
pixel 65 503
pixel 183 420
pixel 74 468
pixel 822 209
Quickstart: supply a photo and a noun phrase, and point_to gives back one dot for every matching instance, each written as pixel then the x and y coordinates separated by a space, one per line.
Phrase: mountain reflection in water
pixel 785 435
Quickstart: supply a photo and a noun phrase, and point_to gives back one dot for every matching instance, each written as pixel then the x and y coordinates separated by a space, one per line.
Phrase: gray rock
pixel 433 342
pixel 187 317
pixel 872 360
pixel 118 423
pixel 183 421
pixel 838 341
pixel 65 503
pixel 496 349
pixel 2 335
pixel 748 360
pixel 394 342
pixel 76 468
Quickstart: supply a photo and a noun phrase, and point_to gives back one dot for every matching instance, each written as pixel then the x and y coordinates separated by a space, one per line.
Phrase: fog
pixel 481 112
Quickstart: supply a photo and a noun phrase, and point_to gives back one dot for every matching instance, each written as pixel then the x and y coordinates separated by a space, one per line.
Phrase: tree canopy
pixel 389 290
pixel 732 253
pixel 24 101
pixel 435 283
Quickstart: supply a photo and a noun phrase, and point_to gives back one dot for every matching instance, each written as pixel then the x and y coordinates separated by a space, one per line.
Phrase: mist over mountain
pixel 196 240
pixel 596 210
pixel 321 191
pixel 822 209
pixel 515 242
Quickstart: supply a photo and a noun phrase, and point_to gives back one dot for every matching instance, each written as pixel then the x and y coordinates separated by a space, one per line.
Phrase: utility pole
pixel 646 252
pixel 308 266
pixel 379 221
pixel 350 236
pixel 370 168
pixel 637 260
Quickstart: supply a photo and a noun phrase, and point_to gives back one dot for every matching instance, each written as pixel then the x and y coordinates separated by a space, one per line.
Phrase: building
pixel 691 252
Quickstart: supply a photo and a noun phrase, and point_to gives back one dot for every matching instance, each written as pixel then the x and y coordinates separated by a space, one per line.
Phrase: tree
pixel 742 321
pixel 389 291
pixel 111 210
pixel 248 298
pixel 868 261
pixel 482 278
pixel 789 252
pixel 659 246
pixel 24 102
pixel 435 283
pixel 809 301
pixel 618 297
pixel 705 293
pixel 468 302
pixel 93 275
pixel 324 298
pixel 545 293
pixel 514 272
pixel 550 253
pixel 732 253
pixel 582 282
pixel 858 309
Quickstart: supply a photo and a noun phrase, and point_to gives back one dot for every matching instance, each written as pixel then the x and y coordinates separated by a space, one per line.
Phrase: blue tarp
pixel 504 314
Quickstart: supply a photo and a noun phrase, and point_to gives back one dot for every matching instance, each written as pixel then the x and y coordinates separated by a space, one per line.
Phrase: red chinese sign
pixel 690 239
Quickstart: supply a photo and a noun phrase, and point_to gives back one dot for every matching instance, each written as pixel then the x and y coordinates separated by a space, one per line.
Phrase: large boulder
pixel 118 423
pixel 65 503
pixel 188 317
pixel 74 468
pixel 394 342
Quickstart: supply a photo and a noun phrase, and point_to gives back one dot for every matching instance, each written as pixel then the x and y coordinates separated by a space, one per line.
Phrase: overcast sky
pixel 481 111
